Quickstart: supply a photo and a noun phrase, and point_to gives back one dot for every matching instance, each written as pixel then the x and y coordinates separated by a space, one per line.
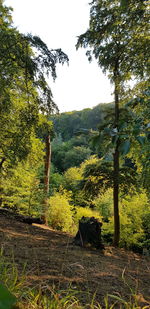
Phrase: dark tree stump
pixel 89 233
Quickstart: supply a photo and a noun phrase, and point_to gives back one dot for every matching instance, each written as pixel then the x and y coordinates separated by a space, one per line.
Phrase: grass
pixel 69 301
pixel 48 298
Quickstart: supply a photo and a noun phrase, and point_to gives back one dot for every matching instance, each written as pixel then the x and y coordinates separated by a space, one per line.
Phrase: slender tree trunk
pixel 116 198
pixel 116 166
pixel 46 176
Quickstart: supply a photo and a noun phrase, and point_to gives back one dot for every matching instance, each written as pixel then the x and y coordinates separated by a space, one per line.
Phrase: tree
pixel 69 123
pixel 20 188
pixel 45 131
pixel 70 153
pixel 25 64
pixel 98 177
pixel 24 92
pixel 138 132
pixel 118 39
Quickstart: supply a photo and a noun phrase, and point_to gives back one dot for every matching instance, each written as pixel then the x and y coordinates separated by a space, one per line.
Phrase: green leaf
pixel 141 139
pixel 7 300
pixel 122 125
pixel 96 140
pixel 124 147
pixel 107 131
pixel 123 136
pixel 114 139
pixel 108 158
pixel 124 3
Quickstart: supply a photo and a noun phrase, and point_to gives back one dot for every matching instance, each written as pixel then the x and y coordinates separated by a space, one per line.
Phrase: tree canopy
pixel 118 39
pixel 24 92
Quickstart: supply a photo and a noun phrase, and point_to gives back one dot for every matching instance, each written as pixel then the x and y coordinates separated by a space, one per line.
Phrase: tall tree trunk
pixel 46 176
pixel 116 165
pixel 116 198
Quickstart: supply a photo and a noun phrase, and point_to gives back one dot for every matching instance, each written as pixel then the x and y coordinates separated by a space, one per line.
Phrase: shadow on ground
pixel 51 260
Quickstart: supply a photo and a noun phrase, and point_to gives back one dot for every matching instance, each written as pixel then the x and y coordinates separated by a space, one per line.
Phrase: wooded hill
pixel 73 131
pixel 70 123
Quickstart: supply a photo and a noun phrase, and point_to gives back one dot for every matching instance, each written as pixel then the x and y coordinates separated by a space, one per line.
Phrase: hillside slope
pixel 69 123
pixel 52 260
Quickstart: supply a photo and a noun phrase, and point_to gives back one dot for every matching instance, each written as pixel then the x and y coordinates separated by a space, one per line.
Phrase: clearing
pixel 53 262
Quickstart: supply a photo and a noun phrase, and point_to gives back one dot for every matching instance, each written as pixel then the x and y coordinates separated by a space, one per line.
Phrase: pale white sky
pixel 58 23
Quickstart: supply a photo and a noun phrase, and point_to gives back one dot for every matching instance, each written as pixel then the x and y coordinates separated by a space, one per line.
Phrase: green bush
pixel 86 212
pixel 108 231
pixel 104 204
pixel 146 228
pixel 134 223
pixel 131 214
pixel 56 181
pixel 60 214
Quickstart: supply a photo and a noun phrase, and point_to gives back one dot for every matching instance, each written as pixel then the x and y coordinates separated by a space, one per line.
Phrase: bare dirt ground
pixel 52 261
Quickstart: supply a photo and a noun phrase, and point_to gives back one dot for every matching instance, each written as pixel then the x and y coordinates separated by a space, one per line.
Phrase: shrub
pixel 108 231
pixel 146 228
pixel 86 212
pixel 134 223
pixel 104 204
pixel 131 214
pixel 56 181
pixel 60 214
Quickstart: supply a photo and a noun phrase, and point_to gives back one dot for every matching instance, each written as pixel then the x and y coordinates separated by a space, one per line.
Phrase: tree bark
pixel 46 176
pixel 116 198
pixel 116 164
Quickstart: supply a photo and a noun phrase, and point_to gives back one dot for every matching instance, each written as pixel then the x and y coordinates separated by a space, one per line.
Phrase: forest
pixel 60 167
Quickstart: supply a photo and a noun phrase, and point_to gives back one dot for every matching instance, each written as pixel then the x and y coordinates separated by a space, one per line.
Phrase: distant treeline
pixel 69 123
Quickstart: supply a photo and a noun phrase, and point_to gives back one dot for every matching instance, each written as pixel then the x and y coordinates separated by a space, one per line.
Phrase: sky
pixel 58 23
